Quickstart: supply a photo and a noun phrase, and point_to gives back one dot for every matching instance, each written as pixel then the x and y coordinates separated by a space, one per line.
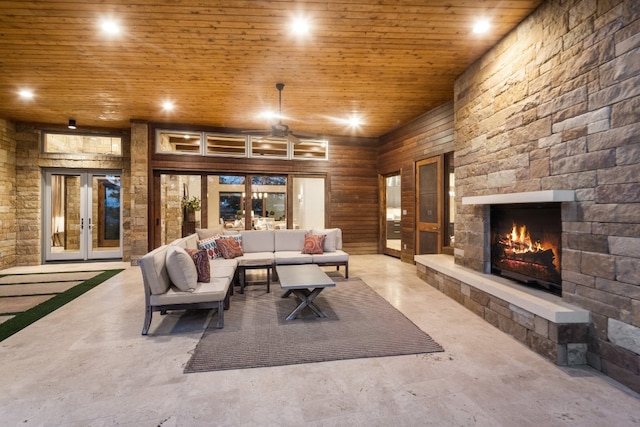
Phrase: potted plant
pixel 190 206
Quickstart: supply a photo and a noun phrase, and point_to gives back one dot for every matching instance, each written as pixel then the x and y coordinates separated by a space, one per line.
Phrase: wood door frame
pixel 430 227
pixel 382 214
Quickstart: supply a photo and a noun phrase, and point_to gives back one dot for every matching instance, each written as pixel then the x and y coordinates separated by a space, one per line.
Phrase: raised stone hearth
pixel 543 322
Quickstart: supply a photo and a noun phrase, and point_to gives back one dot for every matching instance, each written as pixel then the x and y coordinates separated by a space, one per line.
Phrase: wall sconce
pixel 72 124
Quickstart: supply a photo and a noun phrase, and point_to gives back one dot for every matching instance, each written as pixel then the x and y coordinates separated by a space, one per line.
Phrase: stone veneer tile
pixel 572 333
pixel 543 346
pixel 624 335
pixel 576 354
pixel 541 326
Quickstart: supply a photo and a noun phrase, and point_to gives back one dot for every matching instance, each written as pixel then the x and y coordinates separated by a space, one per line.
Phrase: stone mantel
pixel 544 196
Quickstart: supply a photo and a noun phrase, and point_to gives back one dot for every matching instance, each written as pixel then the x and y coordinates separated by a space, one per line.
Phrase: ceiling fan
pixel 281 130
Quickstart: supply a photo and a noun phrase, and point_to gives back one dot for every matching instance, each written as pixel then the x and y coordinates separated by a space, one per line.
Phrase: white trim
pixel 526 197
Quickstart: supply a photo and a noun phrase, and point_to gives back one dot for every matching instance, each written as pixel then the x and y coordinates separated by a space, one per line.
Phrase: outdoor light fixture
pixel 72 124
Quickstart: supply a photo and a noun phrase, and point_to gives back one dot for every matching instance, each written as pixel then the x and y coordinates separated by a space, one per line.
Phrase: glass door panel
pixel 308 203
pixel 104 219
pixel 63 223
pixel 82 212
pixel 429 206
pixel 392 220
pixel 268 202
pixel 226 200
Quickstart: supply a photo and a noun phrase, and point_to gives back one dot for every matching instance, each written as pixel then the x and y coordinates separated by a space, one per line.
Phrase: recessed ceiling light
pixel 481 26
pixel 355 121
pixel 300 25
pixel 168 105
pixel 26 94
pixel 110 26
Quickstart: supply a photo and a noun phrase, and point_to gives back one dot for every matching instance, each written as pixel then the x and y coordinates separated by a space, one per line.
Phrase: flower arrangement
pixel 191 204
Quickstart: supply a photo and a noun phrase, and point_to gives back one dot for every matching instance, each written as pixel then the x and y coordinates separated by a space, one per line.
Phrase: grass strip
pixel 24 319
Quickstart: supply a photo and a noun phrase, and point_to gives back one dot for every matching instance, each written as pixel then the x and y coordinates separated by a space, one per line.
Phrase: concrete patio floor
pixel 86 364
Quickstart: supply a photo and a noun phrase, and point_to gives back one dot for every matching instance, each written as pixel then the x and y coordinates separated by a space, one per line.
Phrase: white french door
pixel 82 214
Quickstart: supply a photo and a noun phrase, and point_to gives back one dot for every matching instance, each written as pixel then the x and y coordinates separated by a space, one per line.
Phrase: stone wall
pixel 7 195
pixel 555 105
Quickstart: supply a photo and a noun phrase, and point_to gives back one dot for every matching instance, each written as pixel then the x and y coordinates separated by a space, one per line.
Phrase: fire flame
pixel 519 240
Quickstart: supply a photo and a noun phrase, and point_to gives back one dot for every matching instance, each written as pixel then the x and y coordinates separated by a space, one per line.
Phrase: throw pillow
pixel 181 269
pixel 201 261
pixel 210 246
pixel 230 247
pixel 331 241
pixel 313 244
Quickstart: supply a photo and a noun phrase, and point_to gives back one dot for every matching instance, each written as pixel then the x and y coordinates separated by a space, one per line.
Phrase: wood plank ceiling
pixel 387 61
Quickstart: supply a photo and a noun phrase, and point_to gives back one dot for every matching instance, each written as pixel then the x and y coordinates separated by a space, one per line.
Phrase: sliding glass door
pixel 82 215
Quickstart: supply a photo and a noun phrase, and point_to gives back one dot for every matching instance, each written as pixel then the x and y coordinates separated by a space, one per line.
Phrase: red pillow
pixel 201 260
pixel 229 247
pixel 313 244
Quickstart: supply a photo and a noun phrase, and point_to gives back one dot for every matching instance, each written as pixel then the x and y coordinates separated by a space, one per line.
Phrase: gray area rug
pixel 360 324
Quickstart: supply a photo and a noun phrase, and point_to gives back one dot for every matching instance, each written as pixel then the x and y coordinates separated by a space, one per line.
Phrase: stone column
pixel 139 190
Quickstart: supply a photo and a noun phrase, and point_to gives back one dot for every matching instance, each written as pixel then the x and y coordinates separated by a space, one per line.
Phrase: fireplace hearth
pixel 526 244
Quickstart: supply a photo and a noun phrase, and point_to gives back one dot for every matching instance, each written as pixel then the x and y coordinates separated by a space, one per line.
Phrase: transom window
pixel 235 145
pixel 61 143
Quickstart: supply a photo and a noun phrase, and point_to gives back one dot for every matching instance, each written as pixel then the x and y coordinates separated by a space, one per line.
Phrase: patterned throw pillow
pixel 210 246
pixel 313 244
pixel 230 247
pixel 201 260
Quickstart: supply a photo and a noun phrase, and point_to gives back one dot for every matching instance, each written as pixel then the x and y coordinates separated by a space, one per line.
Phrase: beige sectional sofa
pixel 169 279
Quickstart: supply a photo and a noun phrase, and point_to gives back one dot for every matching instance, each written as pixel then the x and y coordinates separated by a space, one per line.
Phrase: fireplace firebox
pixel 526 244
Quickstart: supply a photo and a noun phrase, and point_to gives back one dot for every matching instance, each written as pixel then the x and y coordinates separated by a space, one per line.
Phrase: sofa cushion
pixel 215 290
pixel 205 233
pixel 257 241
pixel 211 247
pixel 289 240
pixel 331 257
pixel 333 241
pixel 293 257
pixel 230 247
pixel 313 244
pixel 181 269
pixel 154 270
pixel 201 261
pixel 256 258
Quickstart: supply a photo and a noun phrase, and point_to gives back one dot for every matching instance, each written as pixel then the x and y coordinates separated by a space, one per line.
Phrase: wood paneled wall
pixel 352 186
pixel 429 135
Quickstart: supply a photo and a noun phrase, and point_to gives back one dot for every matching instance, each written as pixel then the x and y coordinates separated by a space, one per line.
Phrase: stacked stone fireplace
pixel 520 290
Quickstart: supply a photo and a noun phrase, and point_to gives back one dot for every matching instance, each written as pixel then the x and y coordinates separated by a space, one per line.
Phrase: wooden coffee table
pixel 305 281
